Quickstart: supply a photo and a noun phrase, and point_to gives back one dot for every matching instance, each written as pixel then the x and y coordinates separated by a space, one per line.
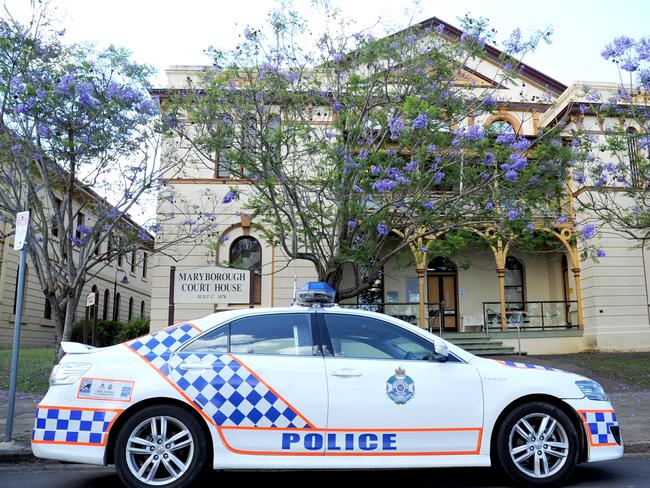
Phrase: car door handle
pixel 196 365
pixel 347 373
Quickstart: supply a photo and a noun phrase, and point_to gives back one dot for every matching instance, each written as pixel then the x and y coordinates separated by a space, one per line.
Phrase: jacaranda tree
pixel 353 148
pixel 78 143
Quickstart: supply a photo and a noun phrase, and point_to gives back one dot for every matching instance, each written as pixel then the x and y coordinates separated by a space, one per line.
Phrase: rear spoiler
pixel 77 348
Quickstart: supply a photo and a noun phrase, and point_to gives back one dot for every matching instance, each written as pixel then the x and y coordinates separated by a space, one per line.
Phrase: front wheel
pixel 161 445
pixel 537 445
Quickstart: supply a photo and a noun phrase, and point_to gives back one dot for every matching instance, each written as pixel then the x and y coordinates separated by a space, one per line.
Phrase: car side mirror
pixel 440 351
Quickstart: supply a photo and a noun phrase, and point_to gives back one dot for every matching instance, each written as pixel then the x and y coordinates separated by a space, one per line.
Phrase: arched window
pixel 130 316
pixel 633 155
pixel 107 295
pixel 514 286
pixel 246 253
pixel 142 309
pixel 116 307
pixel 502 128
pixel 94 308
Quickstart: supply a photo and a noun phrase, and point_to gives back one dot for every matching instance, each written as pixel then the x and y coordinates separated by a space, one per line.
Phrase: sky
pixel 165 32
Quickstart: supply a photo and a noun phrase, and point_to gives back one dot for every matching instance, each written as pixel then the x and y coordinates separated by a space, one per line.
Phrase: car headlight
pixel 592 390
pixel 67 373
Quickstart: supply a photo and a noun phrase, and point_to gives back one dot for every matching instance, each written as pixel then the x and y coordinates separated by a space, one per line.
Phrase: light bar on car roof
pixel 316 292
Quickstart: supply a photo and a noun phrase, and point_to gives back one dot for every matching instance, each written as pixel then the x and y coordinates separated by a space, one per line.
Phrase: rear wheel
pixel 161 445
pixel 537 445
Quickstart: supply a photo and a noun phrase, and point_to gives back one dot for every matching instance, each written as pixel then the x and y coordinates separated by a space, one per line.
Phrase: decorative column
pixel 576 279
pixel 422 318
pixel 502 297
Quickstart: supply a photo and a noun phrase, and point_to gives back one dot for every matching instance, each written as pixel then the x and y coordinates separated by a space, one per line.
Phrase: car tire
pixel 537 445
pixel 157 441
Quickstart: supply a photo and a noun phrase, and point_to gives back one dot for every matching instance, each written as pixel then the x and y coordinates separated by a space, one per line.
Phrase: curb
pixel 637 447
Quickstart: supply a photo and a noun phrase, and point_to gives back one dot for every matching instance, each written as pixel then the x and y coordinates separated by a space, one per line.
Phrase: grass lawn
pixel 34 367
pixel 632 368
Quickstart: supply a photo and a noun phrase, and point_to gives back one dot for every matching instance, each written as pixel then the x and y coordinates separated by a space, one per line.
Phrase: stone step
pixel 484 345
pixel 495 352
pixel 470 340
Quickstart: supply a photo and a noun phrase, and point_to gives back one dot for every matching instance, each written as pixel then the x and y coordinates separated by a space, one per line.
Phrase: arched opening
pixel 116 308
pixel 107 295
pixel 246 253
pixel 130 316
pixel 142 309
pixel 515 285
pixel 442 294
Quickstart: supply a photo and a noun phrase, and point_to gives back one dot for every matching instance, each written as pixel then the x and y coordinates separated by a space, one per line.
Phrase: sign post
pixel 90 304
pixel 22 223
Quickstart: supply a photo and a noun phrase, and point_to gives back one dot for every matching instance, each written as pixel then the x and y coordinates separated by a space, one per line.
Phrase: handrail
pixel 509 322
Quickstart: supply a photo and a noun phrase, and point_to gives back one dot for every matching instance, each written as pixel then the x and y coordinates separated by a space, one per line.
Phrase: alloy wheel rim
pixel 538 445
pixel 159 450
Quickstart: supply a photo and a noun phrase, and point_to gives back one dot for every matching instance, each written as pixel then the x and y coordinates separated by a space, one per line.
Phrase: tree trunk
pixel 64 327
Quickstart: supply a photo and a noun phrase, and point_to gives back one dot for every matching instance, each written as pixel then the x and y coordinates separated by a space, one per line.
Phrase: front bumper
pixel 601 427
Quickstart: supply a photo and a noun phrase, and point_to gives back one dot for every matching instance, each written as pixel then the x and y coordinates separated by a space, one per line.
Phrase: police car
pixel 315 386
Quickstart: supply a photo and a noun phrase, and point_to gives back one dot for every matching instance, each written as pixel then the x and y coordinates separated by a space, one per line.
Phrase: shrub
pixel 136 328
pixel 107 332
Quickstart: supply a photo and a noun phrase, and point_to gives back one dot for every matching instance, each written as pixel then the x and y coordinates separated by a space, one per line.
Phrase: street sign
pixel 22 221
pixel 212 285
pixel 90 299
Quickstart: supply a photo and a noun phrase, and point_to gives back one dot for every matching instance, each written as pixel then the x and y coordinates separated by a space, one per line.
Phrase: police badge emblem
pixel 400 388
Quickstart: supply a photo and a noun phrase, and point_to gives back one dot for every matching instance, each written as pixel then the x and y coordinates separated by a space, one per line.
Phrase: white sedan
pixel 315 387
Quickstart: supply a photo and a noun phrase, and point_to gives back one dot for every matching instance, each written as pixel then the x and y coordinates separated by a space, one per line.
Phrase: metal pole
pixel 115 295
pixel 172 280
pixel 16 345
pixel 85 339
pixel 251 288
pixel 95 318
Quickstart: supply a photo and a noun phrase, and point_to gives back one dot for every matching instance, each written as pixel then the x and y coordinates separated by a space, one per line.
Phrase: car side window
pixel 286 334
pixel 214 342
pixel 356 336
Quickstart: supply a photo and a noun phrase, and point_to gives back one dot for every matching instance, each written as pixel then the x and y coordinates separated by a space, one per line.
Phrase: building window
pixel 119 259
pixel 47 312
pixel 134 256
pixel 80 222
pixel 130 316
pixel 55 226
pixel 107 295
pixel 144 265
pixel 633 155
pixel 501 128
pixel 246 253
pixel 142 309
pixel 116 307
pixel 514 284
pixel 222 167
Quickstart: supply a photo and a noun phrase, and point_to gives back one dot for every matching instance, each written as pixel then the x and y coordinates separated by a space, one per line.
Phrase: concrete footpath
pixel 632 405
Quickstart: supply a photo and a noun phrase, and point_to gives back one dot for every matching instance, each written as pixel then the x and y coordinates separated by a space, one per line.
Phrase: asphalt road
pixel 633 471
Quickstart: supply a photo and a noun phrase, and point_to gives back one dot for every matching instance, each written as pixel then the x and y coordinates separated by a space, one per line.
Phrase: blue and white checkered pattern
pixel 225 390
pixel 157 347
pixel 231 395
pixel 599 424
pixel 72 426
pixel 514 364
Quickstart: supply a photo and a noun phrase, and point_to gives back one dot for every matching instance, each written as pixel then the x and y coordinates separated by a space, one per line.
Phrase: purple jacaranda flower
pixel 65 84
pixel 357 189
pixel 40 239
pixel 505 138
pixel 588 231
pixel 513 44
pixel 489 206
pixel 337 57
pixel 600 253
pixel 363 155
pixel 440 28
pixel 421 121
pixel 83 229
pixel 229 197
pixel 382 230
pixel 352 224
pixel 520 144
pixel 431 148
pixel 16 148
pixel 563 219
pixel 423 249
pixel 518 161
pixel 438 178
pixel 511 175
pixel 76 241
pixel 21 108
pixel 384 185
pixel 512 214
pixel 43 130
pixel 489 159
pixel 411 166
pixel 337 106
pixel 530 227
pixel 375 170
pixel 396 127
pixel 143 235
pixel 393 172
pixel 428 204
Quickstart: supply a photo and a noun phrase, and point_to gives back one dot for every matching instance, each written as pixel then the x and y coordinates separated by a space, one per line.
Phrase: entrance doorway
pixel 442 286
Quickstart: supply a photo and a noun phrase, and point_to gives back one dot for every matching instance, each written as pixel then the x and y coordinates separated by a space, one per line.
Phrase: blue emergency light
pixel 316 292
